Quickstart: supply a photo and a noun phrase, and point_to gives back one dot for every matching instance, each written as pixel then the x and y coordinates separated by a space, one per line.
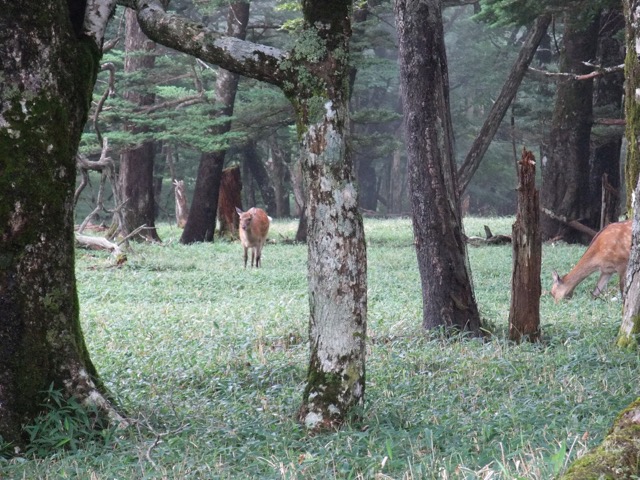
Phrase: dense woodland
pixel 329 111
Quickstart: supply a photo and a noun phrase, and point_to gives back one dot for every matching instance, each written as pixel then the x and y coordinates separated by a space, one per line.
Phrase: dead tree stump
pixel 524 314
pixel 228 199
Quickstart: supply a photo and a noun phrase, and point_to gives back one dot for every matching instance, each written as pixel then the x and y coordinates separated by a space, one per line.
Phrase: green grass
pixel 210 359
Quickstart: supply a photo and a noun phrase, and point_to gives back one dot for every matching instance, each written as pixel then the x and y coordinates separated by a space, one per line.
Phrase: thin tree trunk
pixel 500 106
pixel 524 314
pixel 261 177
pixel 278 173
pixel 201 223
pixel 447 293
pixel 136 163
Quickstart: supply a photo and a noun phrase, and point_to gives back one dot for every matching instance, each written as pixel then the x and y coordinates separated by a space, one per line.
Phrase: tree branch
pixel 238 56
pixel 508 92
pixel 559 76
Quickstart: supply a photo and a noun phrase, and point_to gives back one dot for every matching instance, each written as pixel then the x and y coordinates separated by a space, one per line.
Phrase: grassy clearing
pixel 211 360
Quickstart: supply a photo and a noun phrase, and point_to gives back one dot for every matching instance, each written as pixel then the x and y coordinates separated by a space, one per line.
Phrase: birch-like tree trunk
pixel 447 293
pixel 48 66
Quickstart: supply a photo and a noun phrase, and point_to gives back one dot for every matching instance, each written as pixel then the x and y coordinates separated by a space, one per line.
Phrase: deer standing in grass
pixel 608 252
pixel 254 226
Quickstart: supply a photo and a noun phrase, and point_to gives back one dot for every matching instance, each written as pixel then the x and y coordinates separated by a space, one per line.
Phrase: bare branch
pixel 109 92
pixel 598 72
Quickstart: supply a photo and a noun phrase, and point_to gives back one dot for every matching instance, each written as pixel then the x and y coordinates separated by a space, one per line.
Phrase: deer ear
pixel 556 277
pixel 239 211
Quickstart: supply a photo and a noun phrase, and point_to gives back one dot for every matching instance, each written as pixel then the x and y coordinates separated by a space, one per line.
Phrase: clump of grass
pixel 211 360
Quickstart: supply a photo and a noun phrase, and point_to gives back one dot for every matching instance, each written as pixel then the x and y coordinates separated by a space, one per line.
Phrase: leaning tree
pixel 49 57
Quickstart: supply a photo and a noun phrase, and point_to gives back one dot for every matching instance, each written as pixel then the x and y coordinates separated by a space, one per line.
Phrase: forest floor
pixel 210 360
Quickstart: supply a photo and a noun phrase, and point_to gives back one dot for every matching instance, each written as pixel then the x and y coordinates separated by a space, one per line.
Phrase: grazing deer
pixel 608 252
pixel 254 226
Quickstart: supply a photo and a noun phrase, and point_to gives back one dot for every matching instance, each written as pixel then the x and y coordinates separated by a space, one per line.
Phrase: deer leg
pixel 245 257
pixel 601 285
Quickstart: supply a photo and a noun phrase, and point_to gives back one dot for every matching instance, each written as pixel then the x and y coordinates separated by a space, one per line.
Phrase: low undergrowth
pixel 210 360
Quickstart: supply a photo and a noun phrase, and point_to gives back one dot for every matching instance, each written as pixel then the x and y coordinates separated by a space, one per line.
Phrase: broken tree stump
pixel 524 313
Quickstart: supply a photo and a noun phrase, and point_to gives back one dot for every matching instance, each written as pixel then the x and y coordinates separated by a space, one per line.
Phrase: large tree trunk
pixel 136 163
pixel 565 174
pixel 632 100
pixel 337 262
pixel 201 223
pixel 630 328
pixel 506 96
pixel 44 99
pixel 447 293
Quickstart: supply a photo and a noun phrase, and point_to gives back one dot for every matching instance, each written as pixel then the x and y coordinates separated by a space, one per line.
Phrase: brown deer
pixel 608 252
pixel 254 226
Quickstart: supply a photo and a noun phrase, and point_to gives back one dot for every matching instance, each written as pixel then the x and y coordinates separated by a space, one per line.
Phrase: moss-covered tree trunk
pixel 632 97
pixel 48 69
pixel 201 223
pixel 565 174
pixel 136 163
pixel 337 258
pixel 447 293
pixel 630 328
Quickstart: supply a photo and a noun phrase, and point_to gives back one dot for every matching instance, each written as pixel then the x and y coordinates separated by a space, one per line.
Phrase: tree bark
pixel 337 265
pixel 448 299
pixel 201 223
pixel 229 199
pixel 565 174
pixel 524 313
pixel 632 97
pixel 500 106
pixel 630 328
pixel 136 163
pixel 44 99
pixel 261 177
